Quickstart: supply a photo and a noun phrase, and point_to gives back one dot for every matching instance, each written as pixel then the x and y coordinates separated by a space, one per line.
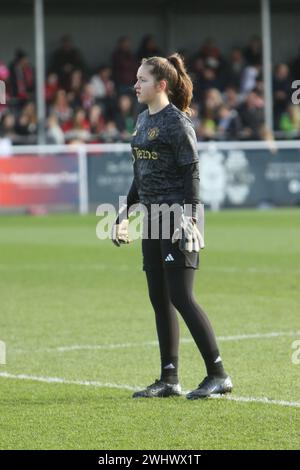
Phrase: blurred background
pixel 67 70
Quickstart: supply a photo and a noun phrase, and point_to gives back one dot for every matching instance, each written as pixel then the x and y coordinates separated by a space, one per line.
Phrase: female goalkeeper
pixel 166 171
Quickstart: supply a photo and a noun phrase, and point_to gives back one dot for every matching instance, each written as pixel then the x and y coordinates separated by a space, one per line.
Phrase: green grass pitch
pixel 61 287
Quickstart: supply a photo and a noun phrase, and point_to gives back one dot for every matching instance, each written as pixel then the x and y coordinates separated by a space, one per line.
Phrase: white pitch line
pixel 80 347
pixel 249 269
pixel 91 383
pixel 265 400
pixel 272 334
pixel 102 346
pixel 59 380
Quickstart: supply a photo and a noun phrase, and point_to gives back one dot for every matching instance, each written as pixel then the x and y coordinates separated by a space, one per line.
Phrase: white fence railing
pixel 124 147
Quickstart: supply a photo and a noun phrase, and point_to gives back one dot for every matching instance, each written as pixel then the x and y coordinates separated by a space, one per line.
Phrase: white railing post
pixel 267 62
pixel 83 180
pixel 40 67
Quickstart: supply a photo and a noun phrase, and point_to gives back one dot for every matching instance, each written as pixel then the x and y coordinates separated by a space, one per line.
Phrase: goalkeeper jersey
pixel 163 145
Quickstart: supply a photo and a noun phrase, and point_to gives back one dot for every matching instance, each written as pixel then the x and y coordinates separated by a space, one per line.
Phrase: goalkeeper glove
pixel 190 239
pixel 119 233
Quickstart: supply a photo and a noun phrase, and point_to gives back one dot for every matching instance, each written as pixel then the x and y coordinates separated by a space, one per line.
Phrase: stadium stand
pixel 99 105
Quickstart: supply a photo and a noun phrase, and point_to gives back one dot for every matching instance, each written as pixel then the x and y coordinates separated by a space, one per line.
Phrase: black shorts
pixel 158 254
pixel 162 253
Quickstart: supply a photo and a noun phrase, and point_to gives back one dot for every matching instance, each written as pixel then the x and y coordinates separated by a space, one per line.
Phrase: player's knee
pixel 156 299
pixel 180 300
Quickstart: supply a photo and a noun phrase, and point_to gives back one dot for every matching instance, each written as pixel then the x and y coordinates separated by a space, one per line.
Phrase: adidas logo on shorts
pixel 169 258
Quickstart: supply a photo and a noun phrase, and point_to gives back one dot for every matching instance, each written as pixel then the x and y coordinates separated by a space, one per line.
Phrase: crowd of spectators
pixel 99 105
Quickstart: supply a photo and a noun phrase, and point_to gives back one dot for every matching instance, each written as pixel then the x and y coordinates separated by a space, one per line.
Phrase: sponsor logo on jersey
pixel 143 154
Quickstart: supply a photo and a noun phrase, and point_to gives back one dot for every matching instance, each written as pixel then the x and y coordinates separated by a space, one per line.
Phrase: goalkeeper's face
pixel 147 88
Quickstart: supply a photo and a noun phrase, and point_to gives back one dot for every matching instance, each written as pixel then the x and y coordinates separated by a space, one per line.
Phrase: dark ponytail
pixel 180 86
pixel 182 94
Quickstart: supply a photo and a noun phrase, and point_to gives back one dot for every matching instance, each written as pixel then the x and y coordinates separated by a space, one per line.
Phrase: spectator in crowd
pixel 212 101
pixel 104 89
pixel 289 122
pixel 75 88
pixel 212 58
pixel 96 120
pixel 54 133
pixel 195 118
pixel 21 77
pixel 102 83
pixel 125 118
pixel 252 116
pixel 253 51
pixel 88 96
pixel 282 88
pixel 208 80
pixel 209 50
pixel 231 97
pixel 65 59
pixel 260 85
pixel 196 68
pixel 110 134
pixel 8 127
pixel 4 72
pixel 124 66
pixel 229 125
pixel 79 129
pixel 148 48
pixel 4 77
pixel 61 107
pixel 208 127
pixel 250 75
pixel 295 67
pixel 228 94
pixel 27 124
pixel 51 87
pixel 234 69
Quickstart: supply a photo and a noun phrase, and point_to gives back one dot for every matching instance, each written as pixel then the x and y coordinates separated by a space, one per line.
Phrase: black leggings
pixel 171 289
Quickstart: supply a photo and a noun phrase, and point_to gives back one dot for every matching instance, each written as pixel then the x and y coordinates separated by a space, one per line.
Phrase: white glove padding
pixel 119 233
pixel 190 239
